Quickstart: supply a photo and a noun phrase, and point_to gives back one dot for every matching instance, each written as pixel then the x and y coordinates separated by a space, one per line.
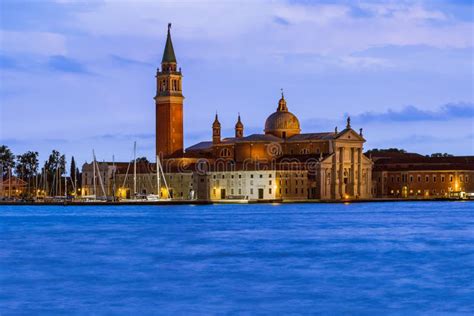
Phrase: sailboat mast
pixel 158 177
pixel 135 170
pixel 164 178
pixel 93 173
pixel 113 178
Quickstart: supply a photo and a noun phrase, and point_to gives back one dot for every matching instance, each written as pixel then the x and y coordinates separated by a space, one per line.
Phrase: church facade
pixel 281 163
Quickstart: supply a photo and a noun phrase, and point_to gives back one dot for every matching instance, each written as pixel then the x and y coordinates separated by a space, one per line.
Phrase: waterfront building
pixel 409 175
pixel 100 182
pixel 12 187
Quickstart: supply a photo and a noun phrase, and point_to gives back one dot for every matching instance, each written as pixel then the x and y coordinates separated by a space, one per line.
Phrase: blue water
pixel 390 258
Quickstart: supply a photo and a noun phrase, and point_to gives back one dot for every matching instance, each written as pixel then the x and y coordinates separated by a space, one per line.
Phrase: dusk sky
pixel 77 76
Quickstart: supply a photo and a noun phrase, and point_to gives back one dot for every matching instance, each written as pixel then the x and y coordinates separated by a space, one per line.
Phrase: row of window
pixel 223 176
pixel 225 152
pixel 427 178
pixel 270 191
pixel 418 192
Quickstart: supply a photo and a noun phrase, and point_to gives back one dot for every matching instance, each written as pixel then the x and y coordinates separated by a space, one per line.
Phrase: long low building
pixel 409 175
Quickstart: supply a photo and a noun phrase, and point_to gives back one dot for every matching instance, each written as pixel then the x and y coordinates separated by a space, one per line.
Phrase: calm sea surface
pixel 374 258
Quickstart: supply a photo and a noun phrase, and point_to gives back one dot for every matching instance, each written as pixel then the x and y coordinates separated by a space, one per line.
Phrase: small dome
pixel 282 123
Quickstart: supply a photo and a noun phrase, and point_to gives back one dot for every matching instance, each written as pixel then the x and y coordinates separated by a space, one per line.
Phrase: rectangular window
pixel 442 178
pixel 434 178
pixel 270 175
pixel 460 179
pixel 270 191
pixel 240 191
pixel 251 190
pixel 261 176
pixel 427 178
pixel 398 179
pixel 270 182
pixel 411 178
pixel 251 176
pixel 467 178
pixel 419 178
pixel 450 178
pixel 391 179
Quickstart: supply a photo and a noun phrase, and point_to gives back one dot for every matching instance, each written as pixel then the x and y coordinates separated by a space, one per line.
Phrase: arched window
pixel 225 152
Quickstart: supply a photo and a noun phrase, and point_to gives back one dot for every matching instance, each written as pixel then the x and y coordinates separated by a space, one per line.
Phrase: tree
pixel 72 168
pixel 388 150
pixel 441 155
pixel 27 167
pixel 7 160
pixel 142 160
pixel 55 167
pixel 75 176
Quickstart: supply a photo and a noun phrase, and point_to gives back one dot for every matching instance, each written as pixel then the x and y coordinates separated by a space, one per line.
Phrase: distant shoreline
pixel 208 202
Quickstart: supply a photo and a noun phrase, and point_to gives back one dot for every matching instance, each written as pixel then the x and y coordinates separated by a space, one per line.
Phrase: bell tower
pixel 216 131
pixel 169 104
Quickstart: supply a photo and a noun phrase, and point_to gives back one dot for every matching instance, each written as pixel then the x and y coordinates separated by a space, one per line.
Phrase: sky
pixel 77 76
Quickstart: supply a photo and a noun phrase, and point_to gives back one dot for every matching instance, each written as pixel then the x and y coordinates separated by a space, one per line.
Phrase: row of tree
pixel 401 151
pixel 50 180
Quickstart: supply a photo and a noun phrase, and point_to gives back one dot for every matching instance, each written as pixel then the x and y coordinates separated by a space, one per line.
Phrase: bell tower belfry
pixel 169 104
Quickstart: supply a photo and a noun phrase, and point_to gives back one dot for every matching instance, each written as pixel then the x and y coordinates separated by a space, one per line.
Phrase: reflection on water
pixel 300 258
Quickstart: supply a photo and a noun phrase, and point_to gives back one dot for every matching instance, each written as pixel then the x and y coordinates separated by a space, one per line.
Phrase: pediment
pixel 350 135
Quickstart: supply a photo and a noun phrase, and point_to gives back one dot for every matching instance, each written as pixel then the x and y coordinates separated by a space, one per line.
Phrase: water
pixel 374 258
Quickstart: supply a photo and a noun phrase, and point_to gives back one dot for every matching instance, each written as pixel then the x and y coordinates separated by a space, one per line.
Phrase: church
pixel 282 163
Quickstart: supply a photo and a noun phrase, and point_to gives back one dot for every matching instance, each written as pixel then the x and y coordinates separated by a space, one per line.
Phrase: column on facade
pixel 352 173
pixel 341 172
pixel 359 170
pixel 334 176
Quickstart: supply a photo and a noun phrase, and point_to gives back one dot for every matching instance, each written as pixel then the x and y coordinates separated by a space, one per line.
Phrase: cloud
pixel 65 64
pixel 330 56
pixel 281 21
pixel 30 42
pixel 412 113
pixel 123 61
pixel 8 63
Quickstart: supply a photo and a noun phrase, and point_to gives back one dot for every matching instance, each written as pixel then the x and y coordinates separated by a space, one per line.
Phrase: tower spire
pixel 216 131
pixel 168 54
pixel 282 103
pixel 239 128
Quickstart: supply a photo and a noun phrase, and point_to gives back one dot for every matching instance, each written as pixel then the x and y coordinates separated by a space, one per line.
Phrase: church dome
pixel 282 123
